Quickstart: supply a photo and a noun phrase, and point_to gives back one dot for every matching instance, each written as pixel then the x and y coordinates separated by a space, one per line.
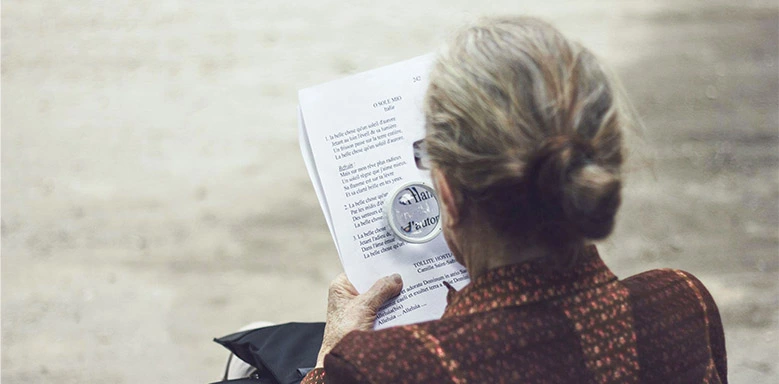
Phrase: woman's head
pixel 526 129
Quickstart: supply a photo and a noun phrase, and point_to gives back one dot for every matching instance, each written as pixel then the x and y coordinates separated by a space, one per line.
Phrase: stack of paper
pixel 357 136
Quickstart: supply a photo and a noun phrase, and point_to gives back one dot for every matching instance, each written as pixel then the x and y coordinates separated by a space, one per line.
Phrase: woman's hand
pixel 347 310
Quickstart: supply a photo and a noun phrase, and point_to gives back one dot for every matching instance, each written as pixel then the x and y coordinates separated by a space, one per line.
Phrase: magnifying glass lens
pixel 413 213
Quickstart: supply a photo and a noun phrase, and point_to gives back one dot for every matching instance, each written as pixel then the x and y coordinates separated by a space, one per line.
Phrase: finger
pixel 381 291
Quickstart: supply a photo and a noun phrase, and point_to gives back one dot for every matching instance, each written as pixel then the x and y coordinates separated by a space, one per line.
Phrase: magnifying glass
pixel 412 212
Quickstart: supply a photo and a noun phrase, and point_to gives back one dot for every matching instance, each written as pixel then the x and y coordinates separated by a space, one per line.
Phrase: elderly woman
pixel 524 131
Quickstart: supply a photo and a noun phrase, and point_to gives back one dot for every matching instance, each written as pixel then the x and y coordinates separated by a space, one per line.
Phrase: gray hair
pixel 526 126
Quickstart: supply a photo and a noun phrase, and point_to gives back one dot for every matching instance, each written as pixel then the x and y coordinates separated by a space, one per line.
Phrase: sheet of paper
pixel 360 133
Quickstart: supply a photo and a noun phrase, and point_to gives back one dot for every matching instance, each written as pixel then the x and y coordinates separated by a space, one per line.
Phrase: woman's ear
pixel 447 197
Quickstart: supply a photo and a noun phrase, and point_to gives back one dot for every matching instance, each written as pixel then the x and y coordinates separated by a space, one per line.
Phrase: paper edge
pixel 313 174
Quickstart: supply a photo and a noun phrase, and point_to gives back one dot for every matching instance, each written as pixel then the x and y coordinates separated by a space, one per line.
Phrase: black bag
pixel 282 354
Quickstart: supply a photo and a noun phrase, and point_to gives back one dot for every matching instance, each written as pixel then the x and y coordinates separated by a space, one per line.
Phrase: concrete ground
pixel 153 195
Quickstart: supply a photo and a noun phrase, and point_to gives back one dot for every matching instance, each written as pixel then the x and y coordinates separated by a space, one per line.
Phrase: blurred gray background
pixel 154 197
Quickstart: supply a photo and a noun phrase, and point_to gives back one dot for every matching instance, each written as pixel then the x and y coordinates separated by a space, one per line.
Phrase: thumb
pixel 383 290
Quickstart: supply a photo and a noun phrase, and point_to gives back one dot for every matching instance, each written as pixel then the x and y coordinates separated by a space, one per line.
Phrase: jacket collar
pixel 526 283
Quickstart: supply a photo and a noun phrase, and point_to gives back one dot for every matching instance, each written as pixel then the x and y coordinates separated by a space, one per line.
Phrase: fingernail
pixel 396 277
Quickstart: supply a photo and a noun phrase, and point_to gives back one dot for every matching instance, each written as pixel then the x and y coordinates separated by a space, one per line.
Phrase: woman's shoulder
pixel 667 283
pixel 671 291
pixel 677 323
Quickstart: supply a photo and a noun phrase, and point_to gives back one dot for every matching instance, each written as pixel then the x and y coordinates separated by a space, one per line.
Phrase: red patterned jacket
pixel 525 324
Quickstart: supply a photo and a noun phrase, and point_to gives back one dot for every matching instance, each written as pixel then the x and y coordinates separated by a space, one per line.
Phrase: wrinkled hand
pixel 348 310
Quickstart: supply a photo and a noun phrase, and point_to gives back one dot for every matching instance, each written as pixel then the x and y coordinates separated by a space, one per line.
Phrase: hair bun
pixel 591 199
pixel 570 185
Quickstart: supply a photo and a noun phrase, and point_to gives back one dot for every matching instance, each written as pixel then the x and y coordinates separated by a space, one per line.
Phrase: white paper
pixel 356 135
